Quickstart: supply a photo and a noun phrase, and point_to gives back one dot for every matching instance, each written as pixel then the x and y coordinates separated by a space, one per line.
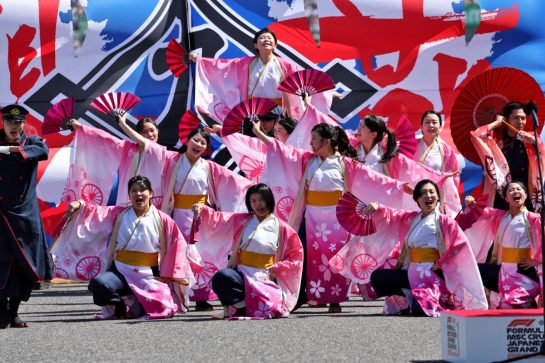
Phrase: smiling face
pixel 515 195
pixel 140 197
pixel 431 126
pixel 259 206
pixel 150 131
pixel 196 146
pixel 427 201
pixel 13 130
pixel 265 43
pixel 364 134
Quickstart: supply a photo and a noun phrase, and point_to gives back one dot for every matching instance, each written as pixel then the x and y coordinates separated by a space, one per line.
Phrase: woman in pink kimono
pixel 377 148
pixel 94 181
pixel 125 252
pixel 221 84
pixel 309 184
pixel 433 151
pixel 436 269
pixel 188 179
pixel 264 271
pixel 512 268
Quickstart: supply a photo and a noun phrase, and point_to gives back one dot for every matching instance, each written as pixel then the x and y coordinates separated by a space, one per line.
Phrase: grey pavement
pixel 63 329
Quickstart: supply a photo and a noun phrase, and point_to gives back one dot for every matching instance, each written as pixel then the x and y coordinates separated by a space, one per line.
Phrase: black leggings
pixel 490 274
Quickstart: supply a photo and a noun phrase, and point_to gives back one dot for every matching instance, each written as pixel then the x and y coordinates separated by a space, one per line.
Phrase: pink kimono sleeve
pixel 88 179
pixel 228 191
pixel 300 137
pixel 459 267
pixel 81 252
pixel 174 263
pixel 290 267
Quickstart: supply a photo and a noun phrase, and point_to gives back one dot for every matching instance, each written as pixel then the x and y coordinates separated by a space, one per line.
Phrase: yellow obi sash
pixel 135 258
pixel 421 255
pixel 514 255
pixel 323 199
pixel 186 201
pixel 256 260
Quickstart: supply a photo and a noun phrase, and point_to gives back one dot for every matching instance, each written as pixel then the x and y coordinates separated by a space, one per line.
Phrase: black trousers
pixel 228 284
pixel 490 274
pixel 109 287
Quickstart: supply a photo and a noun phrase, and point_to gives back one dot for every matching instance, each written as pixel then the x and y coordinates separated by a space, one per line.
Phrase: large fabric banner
pixel 392 58
pixel 53 49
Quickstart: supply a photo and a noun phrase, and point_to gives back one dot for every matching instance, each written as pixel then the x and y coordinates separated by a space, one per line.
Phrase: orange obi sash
pixel 323 199
pixel 421 255
pixel 186 201
pixel 514 255
pixel 256 260
pixel 135 258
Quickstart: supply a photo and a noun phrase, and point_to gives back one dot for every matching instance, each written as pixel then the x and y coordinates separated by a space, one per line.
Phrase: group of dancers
pixel 185 228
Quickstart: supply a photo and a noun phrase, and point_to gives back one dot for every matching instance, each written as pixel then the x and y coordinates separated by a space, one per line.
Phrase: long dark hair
pixel 338 138
pixel 265 192
pixel 204 134
pixel 377 124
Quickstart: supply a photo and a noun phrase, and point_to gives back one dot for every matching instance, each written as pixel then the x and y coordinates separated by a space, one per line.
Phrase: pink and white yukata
pixel 220 84
pixel 87 247
pixel 461 287
pixel 96 158
pixel 252 242
pixel 305 185
pixel 206 182
pixel 513 238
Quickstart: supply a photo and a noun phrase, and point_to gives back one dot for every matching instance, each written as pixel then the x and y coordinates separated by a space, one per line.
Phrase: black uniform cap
pixel 14 113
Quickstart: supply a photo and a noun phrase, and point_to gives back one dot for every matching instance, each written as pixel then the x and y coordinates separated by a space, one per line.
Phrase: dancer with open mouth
pixel 507 245
pixel 138 266
pixel 436 269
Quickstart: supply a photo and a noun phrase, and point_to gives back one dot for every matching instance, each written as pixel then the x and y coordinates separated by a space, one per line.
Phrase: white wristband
pixel 4 150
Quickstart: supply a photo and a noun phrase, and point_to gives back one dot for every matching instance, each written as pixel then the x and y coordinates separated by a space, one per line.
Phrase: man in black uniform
pixel 24 259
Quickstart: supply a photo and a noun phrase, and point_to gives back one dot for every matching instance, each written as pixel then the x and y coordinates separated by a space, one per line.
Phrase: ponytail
pixel 391 146
pixel 343 144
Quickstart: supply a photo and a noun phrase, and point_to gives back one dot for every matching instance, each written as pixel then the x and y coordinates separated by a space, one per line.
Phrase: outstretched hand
pixel 371 208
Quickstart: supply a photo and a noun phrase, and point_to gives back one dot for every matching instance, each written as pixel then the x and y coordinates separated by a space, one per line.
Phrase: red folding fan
pixel 176 58
pixel 188 123
pixel 351 216
pixel 404 133
pixel 115 103
pixel 246 110
pixel 469 215
pixel 58 116
pixel 194 231
pixel 309 81
pixel 484 96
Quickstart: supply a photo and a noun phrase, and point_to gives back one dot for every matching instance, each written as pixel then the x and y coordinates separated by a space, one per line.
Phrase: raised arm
pixel 130 132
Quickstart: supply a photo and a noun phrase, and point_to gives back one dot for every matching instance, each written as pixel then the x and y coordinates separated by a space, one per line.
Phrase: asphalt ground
pixel 63 329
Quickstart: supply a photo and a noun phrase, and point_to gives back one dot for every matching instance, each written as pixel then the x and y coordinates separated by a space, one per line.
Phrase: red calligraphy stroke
pixel 356 36
pixel 48 13
pixel 20 54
